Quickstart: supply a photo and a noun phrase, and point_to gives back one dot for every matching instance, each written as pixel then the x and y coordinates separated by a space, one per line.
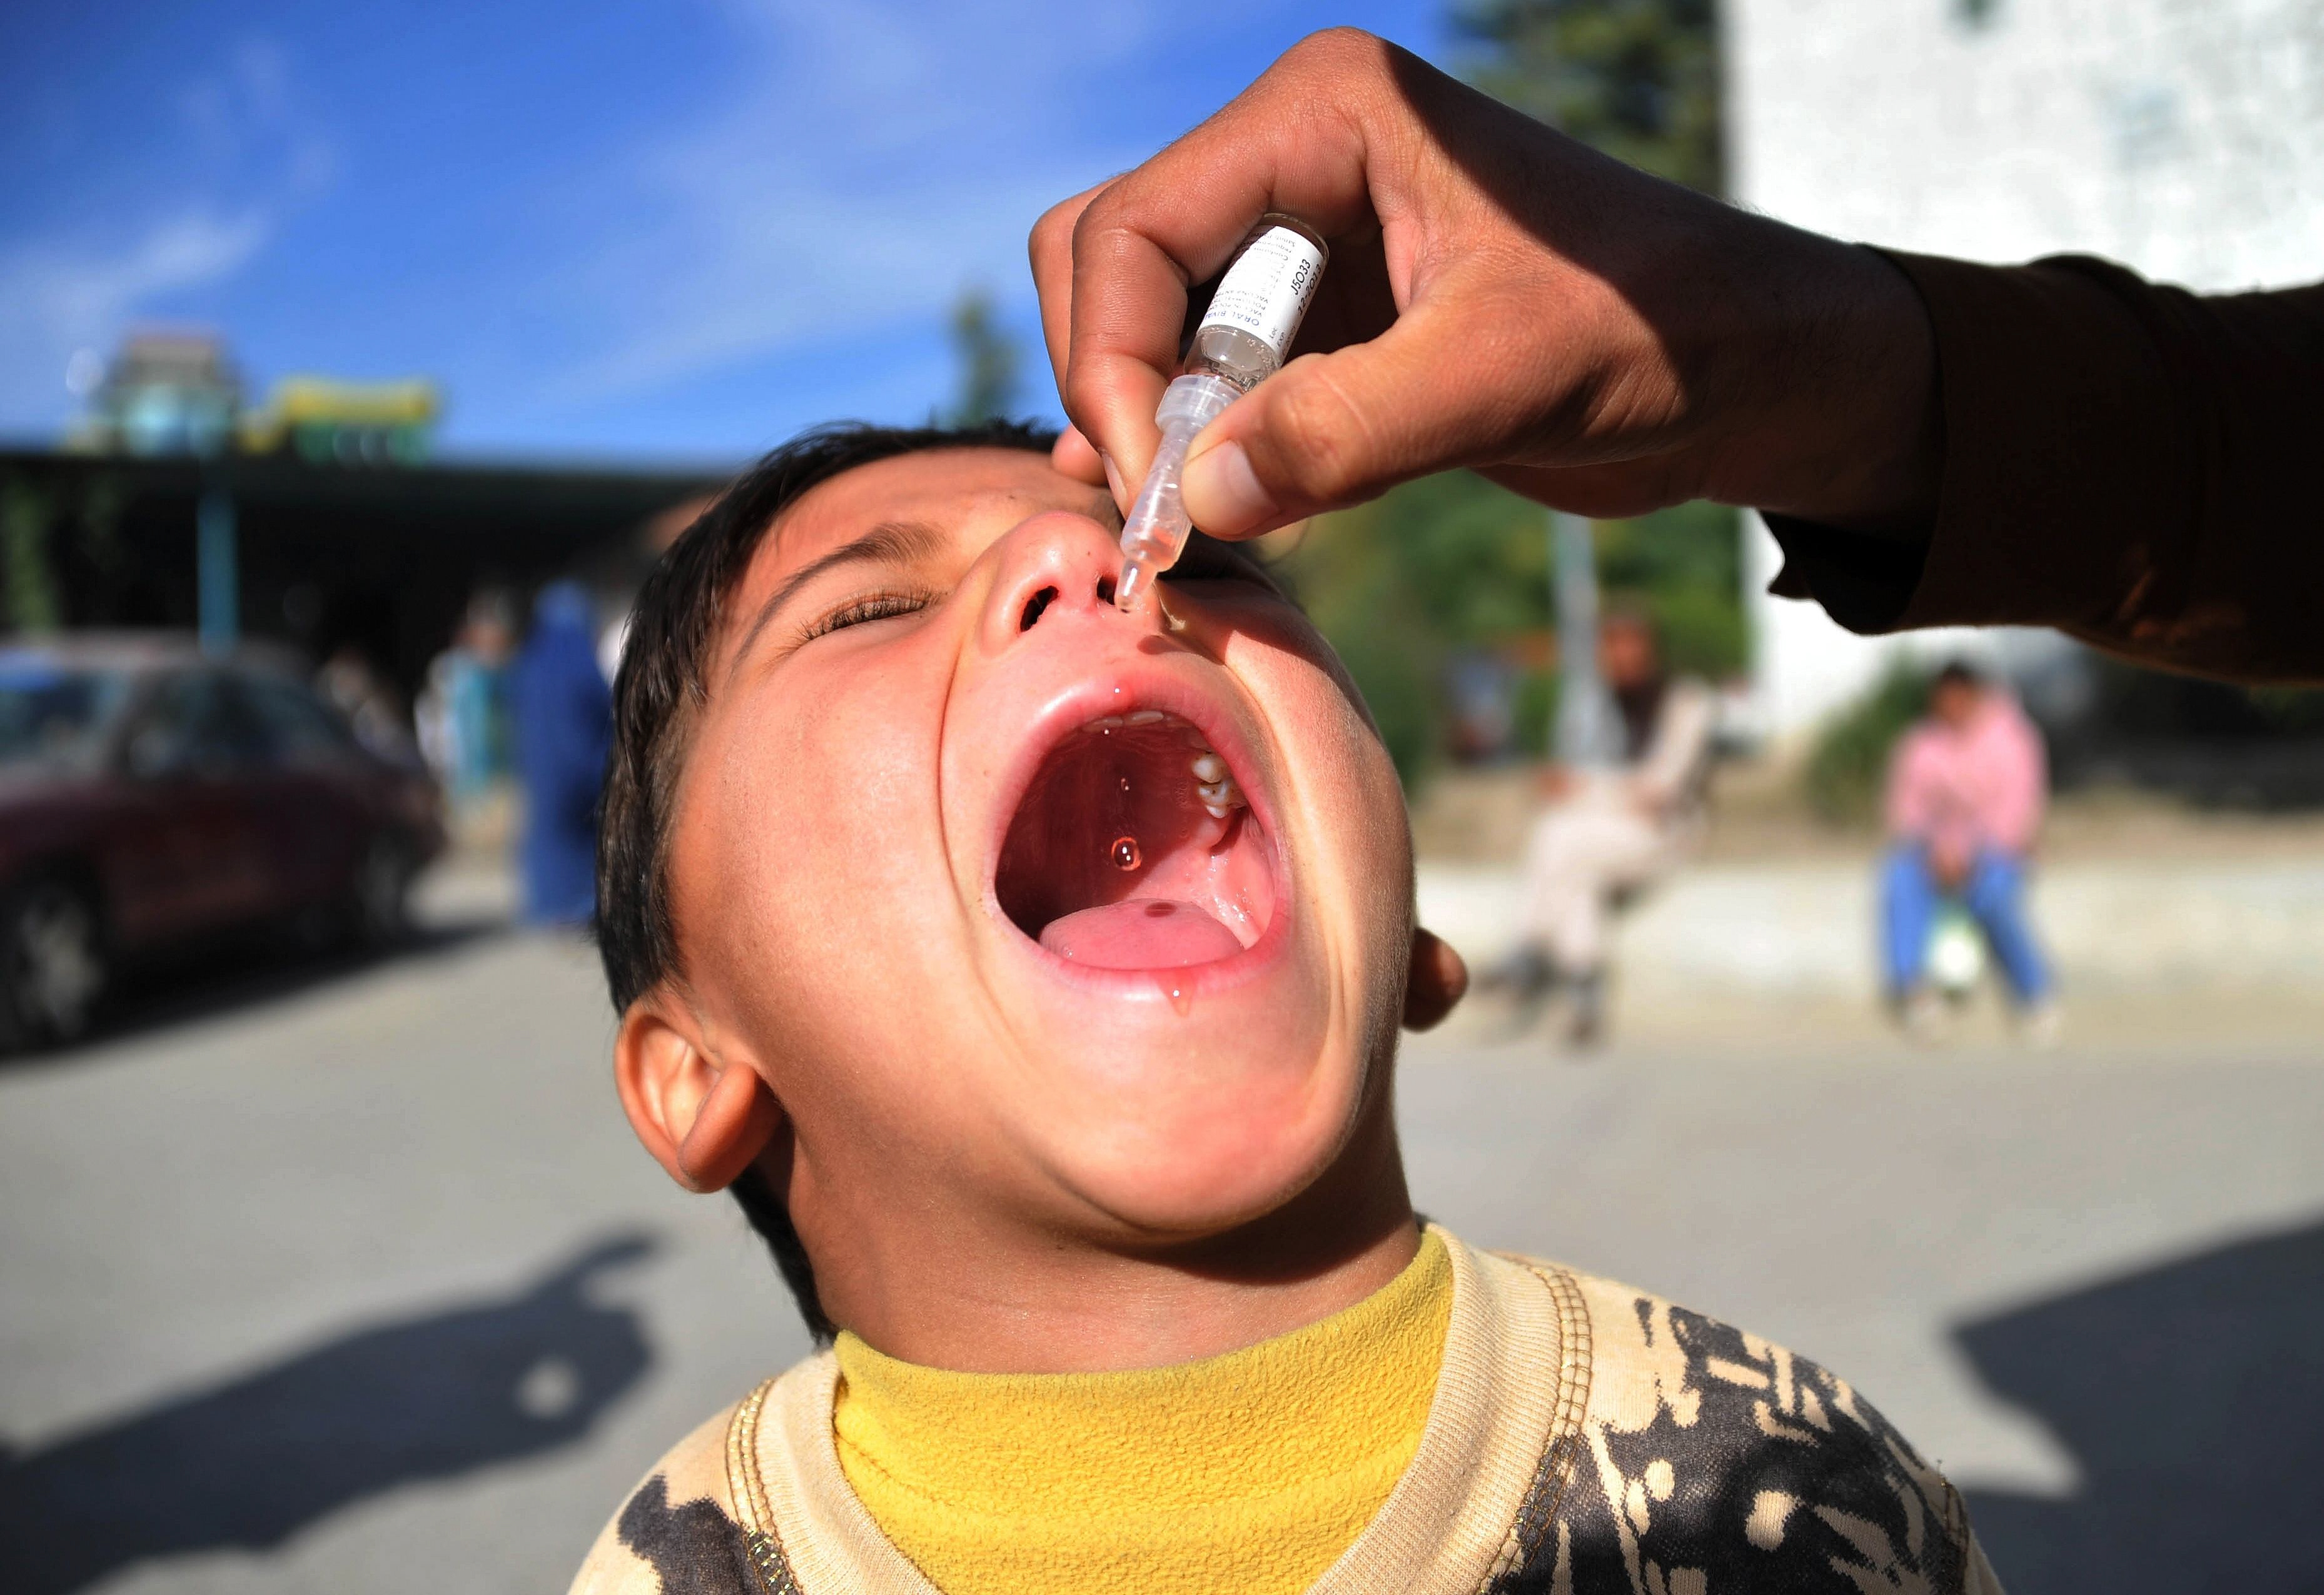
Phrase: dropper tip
pixel 1130 590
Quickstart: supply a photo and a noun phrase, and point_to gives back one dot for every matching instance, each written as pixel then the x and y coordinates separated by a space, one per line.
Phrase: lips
pixel 1134 847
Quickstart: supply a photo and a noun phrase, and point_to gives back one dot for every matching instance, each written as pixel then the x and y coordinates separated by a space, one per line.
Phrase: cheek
pixel 813 820
pixel 1346 806
pixel 1336 760
pixel 1369 870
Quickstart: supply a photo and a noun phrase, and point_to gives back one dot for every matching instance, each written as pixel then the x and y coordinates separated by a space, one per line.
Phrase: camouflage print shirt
pixel 1585 1439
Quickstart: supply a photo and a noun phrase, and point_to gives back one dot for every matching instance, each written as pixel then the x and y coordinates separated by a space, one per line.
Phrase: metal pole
pixel 217 586
pixel 1581 732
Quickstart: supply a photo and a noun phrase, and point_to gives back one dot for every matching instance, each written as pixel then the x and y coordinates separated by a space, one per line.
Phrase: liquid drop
pixel 1181 1000
pixel 1124 853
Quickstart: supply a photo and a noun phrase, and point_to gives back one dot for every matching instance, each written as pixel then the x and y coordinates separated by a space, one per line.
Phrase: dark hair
pixel 1957 673
pixel 661 686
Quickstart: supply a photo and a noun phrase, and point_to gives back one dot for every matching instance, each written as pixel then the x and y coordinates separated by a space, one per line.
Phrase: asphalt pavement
pixel 349 1276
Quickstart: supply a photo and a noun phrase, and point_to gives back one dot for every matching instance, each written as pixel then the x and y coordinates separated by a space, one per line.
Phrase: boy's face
pixel 944 874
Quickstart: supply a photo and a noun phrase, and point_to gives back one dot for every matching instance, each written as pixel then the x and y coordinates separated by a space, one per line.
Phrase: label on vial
pixel 1266 291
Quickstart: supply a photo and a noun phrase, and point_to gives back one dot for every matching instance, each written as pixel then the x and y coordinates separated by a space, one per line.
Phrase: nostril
pixel 1105 589
pixel 1035 605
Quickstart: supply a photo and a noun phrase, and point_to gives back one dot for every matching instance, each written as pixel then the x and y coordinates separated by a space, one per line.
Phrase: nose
pixel 1050 566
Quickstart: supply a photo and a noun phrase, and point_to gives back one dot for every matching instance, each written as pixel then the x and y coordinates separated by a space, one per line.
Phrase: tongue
pixel 1143 933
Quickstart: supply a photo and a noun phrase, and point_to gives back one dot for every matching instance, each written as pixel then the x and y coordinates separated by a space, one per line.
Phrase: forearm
pixel 2133 465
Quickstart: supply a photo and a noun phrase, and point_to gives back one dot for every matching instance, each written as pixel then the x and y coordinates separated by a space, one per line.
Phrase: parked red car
pixel 152 794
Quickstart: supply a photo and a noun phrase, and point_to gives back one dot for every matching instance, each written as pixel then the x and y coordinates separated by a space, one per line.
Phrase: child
pixel 1966 788
pixel 1032 971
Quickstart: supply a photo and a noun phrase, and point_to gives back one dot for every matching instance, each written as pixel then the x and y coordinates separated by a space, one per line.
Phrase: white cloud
pixel 877 158
pixel 57 297
pixel 82 296
pixel 69 284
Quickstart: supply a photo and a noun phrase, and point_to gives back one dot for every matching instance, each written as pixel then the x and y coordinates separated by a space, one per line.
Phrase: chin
pixel 1167 1156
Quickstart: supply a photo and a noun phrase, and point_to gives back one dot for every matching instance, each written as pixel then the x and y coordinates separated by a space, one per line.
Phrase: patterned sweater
pixel 1585 1439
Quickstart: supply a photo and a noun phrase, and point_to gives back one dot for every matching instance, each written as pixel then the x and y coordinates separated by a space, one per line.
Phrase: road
pixel 352 1279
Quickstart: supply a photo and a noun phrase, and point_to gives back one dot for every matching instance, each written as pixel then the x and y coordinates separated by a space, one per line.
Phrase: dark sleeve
pixel 2134 465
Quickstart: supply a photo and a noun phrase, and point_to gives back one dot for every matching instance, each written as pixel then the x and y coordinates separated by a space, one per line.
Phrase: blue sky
pixel 675 229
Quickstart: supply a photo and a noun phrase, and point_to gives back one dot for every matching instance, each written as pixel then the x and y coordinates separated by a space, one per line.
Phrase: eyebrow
pixel 891 542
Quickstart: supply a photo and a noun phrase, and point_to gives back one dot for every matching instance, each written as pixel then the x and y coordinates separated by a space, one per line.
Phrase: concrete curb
pixel 1807 928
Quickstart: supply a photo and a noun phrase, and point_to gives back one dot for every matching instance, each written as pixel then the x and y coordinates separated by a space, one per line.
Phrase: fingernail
pixel 1223 493
pixel 1113 479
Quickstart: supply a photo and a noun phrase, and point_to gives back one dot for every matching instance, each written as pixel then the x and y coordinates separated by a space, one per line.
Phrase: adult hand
pixel 1499 297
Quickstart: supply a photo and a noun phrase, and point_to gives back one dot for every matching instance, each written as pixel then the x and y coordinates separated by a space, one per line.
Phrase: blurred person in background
pixel 1966 790
pixel 459 714
pixel 563 716
pixel 357 690
pixel 1605 835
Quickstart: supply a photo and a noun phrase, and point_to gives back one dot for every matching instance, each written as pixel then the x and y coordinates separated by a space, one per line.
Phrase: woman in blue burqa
pixel 563 715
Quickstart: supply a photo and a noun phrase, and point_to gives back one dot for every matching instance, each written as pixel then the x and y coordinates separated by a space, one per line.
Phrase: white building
pixel 2182 137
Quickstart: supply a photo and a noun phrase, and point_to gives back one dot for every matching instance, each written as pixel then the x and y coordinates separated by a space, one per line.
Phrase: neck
pixel 986 1295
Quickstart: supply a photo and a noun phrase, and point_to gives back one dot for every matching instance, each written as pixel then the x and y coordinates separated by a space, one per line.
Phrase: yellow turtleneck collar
pixel 1251 1471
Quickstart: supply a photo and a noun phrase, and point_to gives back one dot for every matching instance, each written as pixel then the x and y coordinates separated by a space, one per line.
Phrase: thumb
pixel 1330 430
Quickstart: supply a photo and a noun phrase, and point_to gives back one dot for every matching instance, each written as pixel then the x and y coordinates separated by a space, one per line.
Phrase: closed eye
pixel 877 606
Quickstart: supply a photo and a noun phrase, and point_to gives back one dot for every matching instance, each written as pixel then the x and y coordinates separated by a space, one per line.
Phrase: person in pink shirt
pixel 1966 790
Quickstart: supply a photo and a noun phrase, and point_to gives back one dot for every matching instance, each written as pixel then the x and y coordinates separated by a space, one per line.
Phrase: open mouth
pixel 1134 848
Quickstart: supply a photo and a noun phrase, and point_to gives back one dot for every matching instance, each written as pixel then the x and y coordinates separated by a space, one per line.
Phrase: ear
pixel 1437 979
pixel 703 1119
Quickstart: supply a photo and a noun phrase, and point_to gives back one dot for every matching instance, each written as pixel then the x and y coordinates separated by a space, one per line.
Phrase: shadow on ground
pixel 248 1464
pixel 2193 1395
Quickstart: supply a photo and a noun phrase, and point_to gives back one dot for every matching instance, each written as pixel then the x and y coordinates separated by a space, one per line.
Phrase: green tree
pixel 1637 79
pixel 989 361
pixel 1395 586
pixel 1684 565
pixel 1848 767
pixel 1453 562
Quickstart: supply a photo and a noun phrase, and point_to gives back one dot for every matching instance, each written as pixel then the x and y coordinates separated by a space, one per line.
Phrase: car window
pixel 295 726
pixel 191 727
pixel 51 713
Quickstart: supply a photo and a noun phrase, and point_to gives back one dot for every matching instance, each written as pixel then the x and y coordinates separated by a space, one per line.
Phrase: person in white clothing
pixel 1606 834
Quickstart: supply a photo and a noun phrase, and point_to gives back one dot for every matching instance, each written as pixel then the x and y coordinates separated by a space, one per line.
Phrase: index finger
pixel 1292 142
pixel 1051 249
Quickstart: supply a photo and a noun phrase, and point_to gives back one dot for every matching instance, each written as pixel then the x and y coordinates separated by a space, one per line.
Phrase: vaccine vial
pixel 1240 342
pixel 1259 303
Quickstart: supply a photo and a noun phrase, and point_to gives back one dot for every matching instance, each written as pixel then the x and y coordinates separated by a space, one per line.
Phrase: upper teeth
pixel 1212 784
